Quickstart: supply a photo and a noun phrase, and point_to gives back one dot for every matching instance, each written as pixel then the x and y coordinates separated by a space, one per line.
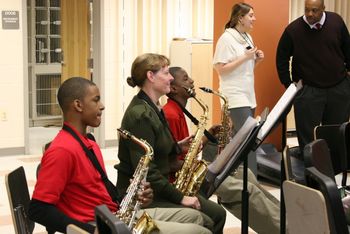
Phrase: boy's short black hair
pixel 174 70
pixel 72 89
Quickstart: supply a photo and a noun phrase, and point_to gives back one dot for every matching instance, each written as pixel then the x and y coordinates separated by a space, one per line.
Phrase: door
pixel 76 38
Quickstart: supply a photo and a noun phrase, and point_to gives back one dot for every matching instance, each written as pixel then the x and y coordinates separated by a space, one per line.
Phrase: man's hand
pixel 214 130
pixel 346 203
pixel 185 143
pixel 192 202
pixel 145 196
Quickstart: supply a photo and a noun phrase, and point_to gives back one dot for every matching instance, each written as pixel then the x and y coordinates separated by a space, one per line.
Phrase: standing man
pixel 319 45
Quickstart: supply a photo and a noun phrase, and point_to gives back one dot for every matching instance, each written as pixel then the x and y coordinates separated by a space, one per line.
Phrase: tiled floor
pixel 38 137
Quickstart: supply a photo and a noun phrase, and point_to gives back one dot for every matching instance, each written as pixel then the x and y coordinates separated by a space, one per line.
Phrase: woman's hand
pixel 251 53
pixel 145 196
pixel 259 55
pixel 192 202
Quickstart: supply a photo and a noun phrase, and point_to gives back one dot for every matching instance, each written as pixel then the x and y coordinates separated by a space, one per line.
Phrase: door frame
pixel 98 50
pixel 98 70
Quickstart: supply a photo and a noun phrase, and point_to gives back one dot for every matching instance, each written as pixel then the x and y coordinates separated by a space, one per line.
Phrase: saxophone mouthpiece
pixel 190 91
pixel 124 133
pixel 206 89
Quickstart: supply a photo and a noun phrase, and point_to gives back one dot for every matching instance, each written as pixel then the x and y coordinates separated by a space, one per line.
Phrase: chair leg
pixel 343 181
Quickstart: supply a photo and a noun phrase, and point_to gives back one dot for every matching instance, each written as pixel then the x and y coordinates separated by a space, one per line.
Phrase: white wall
pixel 113 73
pixel 117 56
pixel 12 82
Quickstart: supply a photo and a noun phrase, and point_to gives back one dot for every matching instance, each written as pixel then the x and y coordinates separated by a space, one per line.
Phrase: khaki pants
pixel 177 220
pixel 264 208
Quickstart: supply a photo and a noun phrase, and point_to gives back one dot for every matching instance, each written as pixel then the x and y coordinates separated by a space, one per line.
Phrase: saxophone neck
pixel 143 143
pixel 217 93
pixel 203 106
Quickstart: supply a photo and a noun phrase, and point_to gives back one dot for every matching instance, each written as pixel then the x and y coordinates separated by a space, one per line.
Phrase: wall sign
pixel 10 19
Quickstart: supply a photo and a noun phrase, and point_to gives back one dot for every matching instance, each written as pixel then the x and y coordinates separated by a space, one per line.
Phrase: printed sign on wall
pixel 10 19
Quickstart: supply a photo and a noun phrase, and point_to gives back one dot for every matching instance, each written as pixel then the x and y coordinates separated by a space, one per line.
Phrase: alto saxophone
pixel 224 134
pixel 192 173
pixel 130 205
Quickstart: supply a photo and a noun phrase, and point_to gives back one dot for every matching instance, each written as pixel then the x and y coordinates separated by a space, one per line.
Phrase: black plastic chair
pixel 18 195
pixel 108 223
pixel 337 141
pixel 336 216
pixel 317 154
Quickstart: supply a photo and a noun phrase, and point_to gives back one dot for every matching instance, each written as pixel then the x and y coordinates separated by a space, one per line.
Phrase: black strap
pixel 142 95
pixel 195 121
pixel 112 190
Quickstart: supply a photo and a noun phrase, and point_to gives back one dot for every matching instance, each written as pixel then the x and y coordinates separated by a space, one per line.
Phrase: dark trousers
pixel 314 106
pixel 238 116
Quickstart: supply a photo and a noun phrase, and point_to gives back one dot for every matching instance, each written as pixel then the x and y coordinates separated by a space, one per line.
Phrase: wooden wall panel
pixel 75 38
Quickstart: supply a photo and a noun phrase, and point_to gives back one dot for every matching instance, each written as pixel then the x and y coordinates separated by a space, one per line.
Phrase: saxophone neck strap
pixel 195 121
pixel 111 189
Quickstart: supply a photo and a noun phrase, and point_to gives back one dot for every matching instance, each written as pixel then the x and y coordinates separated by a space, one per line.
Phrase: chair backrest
pixel 335 137
pixel 316 154
pixel 18 195
pixel 336 216
pixel 306 209
pixel 107 223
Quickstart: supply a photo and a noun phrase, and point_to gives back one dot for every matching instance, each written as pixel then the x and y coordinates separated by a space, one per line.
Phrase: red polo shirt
pixel 68 179
pixel 177 123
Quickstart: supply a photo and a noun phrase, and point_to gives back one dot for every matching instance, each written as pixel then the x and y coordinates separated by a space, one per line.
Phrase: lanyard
pixel 112 190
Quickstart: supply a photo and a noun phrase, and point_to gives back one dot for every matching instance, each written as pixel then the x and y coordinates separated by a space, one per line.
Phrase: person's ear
pixel 150 76
pixel 173 89
pixel 240 19
pixel 78 106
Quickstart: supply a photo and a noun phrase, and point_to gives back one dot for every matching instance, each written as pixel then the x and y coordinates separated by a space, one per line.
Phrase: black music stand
pixel 279 115
pixel 213 181
pixel 245 193
pixel 256 137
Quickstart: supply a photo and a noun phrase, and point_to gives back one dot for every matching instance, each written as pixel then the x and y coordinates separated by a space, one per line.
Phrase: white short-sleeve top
pixel 238 85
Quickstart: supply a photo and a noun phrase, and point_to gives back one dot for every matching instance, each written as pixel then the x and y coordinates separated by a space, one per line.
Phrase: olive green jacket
pixel 142 120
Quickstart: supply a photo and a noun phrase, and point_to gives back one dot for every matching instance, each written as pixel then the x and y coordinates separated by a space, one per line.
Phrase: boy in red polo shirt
pixel 264 211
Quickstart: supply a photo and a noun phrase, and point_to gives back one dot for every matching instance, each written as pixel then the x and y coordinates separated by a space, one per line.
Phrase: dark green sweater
pixel 142 120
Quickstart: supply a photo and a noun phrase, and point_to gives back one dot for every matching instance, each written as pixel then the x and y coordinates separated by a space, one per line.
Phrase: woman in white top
pixel 234 60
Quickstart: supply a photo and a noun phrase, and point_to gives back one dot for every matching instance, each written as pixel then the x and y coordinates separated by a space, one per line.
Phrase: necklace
pixel 246 38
